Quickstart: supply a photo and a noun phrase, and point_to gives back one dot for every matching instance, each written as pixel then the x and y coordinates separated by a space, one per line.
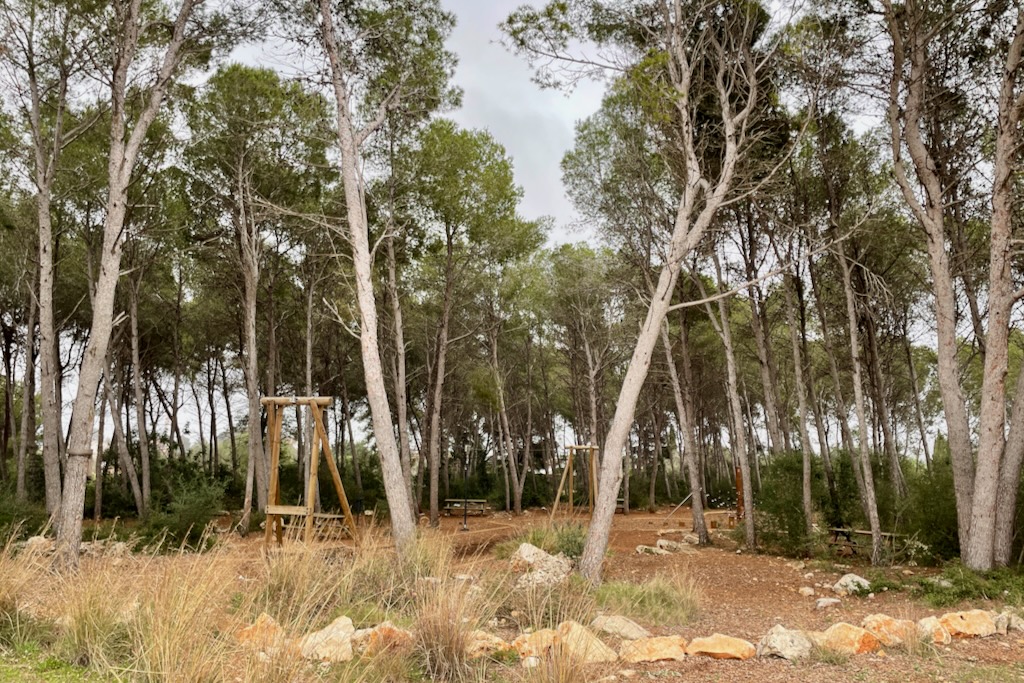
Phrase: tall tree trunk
pixel 916 391
pixel 27 444
pixel 401 399
pixel 868 491
pixel 437 390
pixel 140 404
pixel 403 525
pixel 230 415
pixel 801 398
pixel 882 408
pixel 124 151
pixel 101 469
pixel 125 458
pixel 689 450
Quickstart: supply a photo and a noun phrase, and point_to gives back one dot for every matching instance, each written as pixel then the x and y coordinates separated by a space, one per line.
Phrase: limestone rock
pixel 692 539
pixel 975 623
pixel 621 627
pixel 721 647
pixel 484 644
pixel 1012 620
pixel 535 644
pixel 674 546
pixel 785 643
pixel 526 556
pixel 851 583
pixel 330 644
pixel 797 565
pixel 380 638
pixel 932 630
pixel 827 603
pixel 850 639
pixel 38 545
pixel 807 592
pixel 660 649
pixel 544 569
pixel 650 550
pixel 264 634
pixel 890 632
pixel 531 662
pixel 582 645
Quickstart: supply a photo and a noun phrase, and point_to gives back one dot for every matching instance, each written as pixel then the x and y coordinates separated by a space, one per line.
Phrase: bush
pixel 566 538
pixel 194 503
pixel 958 583
pixel 20 520
pixel 779 509
pixel 930 512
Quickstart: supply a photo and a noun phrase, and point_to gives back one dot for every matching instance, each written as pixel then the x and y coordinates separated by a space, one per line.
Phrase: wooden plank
pixel 322 401
pixel 561 483
pixel 287 510
pixel 314 481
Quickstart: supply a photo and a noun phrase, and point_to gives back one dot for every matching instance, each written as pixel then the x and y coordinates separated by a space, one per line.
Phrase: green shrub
pixel 566 538
pixel 20 519
pixel 779 509
pixel 194 503
pixel 957 583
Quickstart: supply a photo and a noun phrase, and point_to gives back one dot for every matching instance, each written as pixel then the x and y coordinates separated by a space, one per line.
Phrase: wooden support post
pixel 314 481
pixel 739 493
pixel 273 522
pixel 593 476
pixel 335 475
pixel 561 483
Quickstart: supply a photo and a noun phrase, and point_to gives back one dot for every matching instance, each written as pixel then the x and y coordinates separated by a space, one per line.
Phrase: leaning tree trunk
pixel 401 399
pixel 403 524
pixel 124 151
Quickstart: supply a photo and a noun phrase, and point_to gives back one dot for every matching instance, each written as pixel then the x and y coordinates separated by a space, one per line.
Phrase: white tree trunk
pixel 403 524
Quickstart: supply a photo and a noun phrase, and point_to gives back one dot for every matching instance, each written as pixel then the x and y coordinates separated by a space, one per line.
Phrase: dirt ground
pixel 744 595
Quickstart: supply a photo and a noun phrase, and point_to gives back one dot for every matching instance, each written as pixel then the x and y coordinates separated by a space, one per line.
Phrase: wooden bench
pixel 459 506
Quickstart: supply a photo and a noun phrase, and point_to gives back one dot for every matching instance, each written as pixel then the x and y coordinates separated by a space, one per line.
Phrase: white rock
pixel 851 583
pixel 545 570
pixel 650 550
pixel 785 643
pixel 807 591
pixel 620 627
pixel 330 644
pixel 531 662
pixel 827 603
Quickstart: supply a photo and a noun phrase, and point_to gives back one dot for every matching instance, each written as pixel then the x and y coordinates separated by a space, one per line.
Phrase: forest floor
pixel 744 595
pixel 740 594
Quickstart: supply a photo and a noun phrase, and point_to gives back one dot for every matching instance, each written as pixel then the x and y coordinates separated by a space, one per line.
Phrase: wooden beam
pixel 322 401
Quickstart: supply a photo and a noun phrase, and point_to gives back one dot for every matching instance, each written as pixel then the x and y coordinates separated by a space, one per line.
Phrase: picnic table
pixel 468 505
pixel 843 538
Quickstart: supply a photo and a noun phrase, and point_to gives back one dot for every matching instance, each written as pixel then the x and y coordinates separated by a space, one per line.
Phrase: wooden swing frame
pixel 276 512
pixel 592 452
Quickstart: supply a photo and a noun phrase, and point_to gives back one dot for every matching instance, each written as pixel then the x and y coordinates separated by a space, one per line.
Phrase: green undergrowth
pixel 957 584
pixel 566 538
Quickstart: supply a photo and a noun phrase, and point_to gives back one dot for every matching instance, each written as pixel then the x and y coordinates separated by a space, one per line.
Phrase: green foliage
pixel 563 537
pixel 20 519
pixel 929 515
pixel 957 584
pixel 194 502
pixel 779 518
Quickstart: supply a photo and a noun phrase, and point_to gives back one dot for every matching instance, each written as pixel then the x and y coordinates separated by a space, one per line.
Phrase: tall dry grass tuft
pixel 175 629
pixel 93 627
pixel 557 666
pixel 17 571
pixel 673 599
pixel 548 606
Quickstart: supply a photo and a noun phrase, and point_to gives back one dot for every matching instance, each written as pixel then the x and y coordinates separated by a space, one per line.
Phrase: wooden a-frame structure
pixel 276 512
pixel 591 452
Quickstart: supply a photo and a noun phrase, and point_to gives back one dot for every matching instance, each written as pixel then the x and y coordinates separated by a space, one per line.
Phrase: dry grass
pixel 174 617
pixel 672 600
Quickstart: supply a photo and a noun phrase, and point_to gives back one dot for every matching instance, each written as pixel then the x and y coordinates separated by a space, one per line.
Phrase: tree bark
pixel 868 491
pixel 403 525
pixel 124 152
pixel 140 405
pixel 801 397
pixel 28 404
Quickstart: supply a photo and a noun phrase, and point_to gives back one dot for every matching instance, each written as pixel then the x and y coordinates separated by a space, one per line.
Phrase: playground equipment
pixel 591 462
pixel 276 512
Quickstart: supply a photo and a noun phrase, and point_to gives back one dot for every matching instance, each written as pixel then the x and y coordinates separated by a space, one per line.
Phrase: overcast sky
pixel 535 126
